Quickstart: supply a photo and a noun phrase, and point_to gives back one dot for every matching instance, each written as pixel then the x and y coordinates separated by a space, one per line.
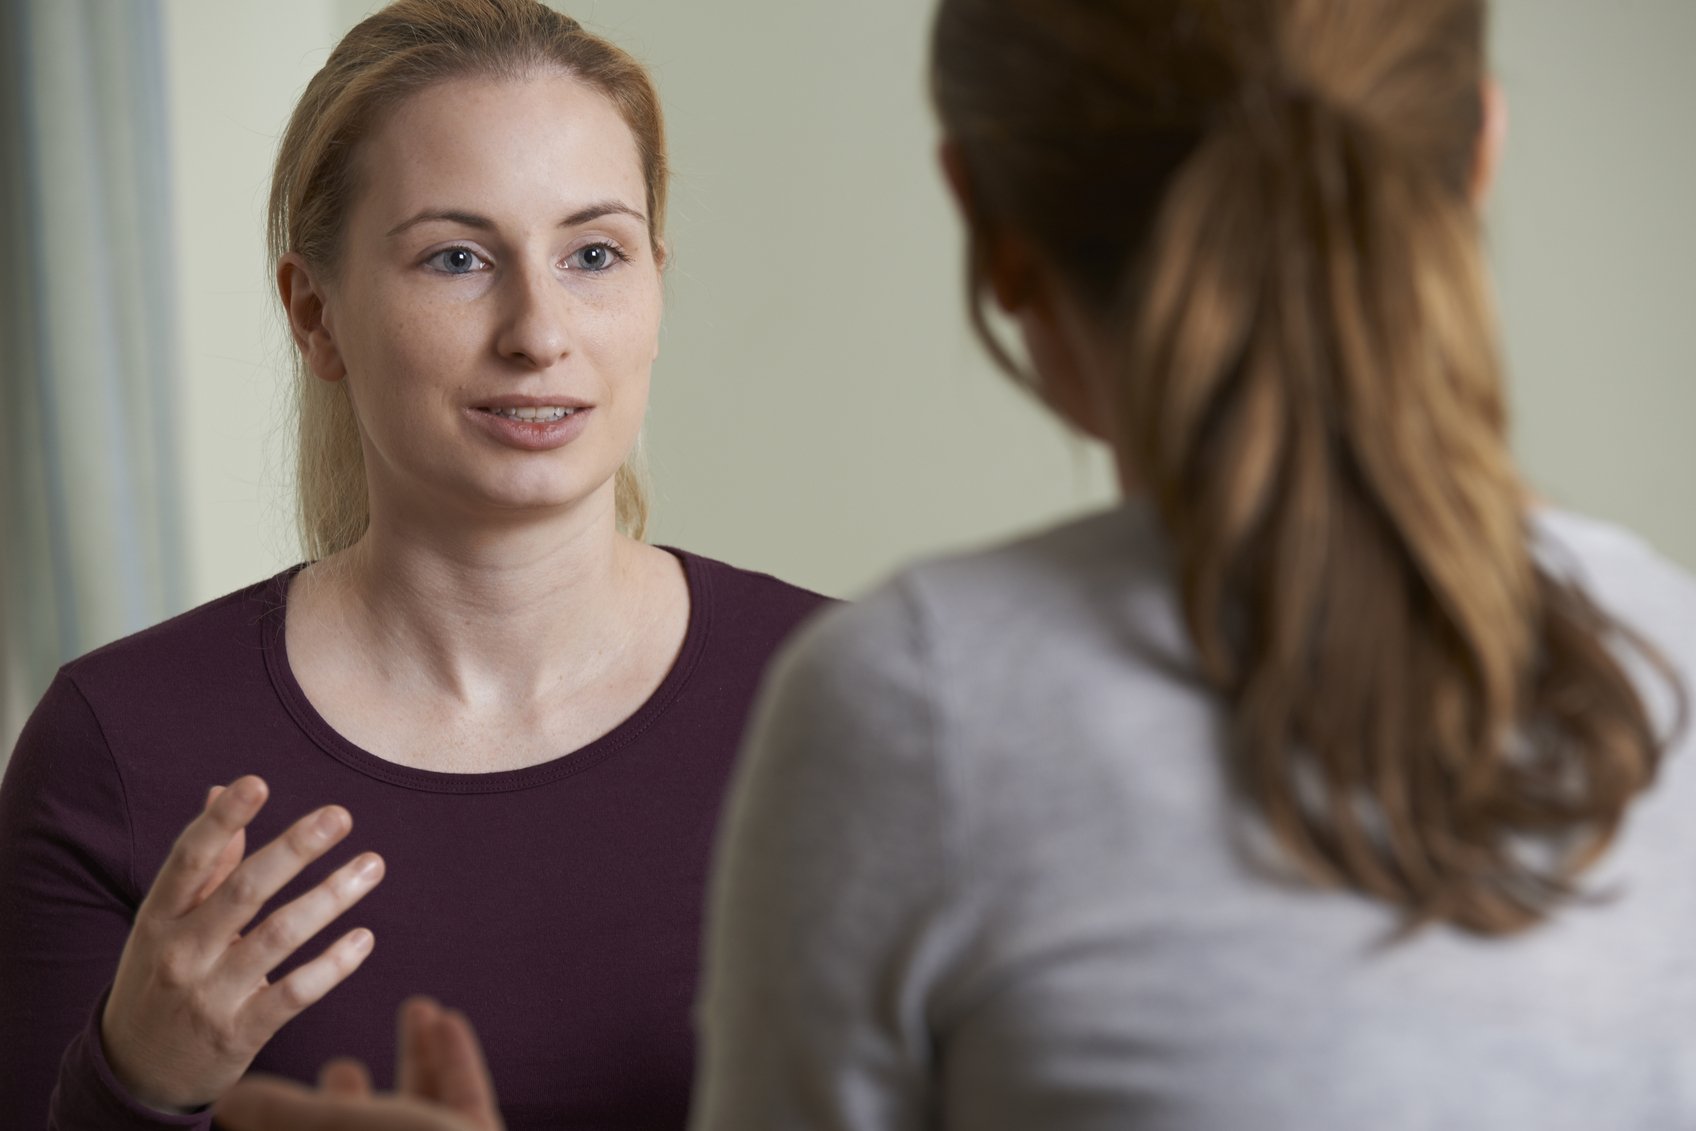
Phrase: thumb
pixel 462 1075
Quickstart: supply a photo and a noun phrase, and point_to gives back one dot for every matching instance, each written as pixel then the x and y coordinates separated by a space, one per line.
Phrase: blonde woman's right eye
pixel 456 261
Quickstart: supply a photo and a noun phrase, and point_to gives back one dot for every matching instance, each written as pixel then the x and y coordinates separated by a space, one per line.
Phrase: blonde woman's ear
pixel 303 302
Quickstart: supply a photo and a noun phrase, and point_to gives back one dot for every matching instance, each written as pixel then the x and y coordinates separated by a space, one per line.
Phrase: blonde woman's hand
pixel 192 1003
pixel 441 1084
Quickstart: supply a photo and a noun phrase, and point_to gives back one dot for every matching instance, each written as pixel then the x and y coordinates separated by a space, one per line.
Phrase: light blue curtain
pixel 89 487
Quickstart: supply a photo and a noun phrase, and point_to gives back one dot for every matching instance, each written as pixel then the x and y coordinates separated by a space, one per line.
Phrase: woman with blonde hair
pixel 1326 782
pixel 531 712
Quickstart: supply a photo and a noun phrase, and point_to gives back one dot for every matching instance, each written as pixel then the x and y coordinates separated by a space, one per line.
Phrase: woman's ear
pixel 1055 335
pixel 959 182
pixel 309 323
pixel 1492 138
pixel 1009 267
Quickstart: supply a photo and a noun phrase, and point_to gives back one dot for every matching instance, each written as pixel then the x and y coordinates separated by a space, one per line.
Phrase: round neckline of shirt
pixel 569 764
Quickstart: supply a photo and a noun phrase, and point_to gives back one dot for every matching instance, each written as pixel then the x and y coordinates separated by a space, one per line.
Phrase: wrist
pixel 133 1078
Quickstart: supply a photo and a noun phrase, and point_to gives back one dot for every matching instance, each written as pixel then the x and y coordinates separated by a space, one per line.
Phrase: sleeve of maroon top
pixel 67 899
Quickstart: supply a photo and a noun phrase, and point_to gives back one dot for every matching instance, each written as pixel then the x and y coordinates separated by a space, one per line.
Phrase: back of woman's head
pixel 392 54
pixel 1269 205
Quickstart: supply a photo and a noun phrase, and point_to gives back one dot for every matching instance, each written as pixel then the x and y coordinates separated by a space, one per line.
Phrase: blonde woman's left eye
pixel 595 257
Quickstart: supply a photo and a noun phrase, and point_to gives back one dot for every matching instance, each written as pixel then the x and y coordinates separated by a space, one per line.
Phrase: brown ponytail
pixel 1312 399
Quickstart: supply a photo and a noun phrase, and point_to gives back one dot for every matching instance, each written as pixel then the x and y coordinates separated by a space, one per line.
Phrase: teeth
pixel 539 415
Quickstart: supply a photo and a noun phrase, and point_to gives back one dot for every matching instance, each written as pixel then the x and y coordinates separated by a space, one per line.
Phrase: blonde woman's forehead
pixel 514 150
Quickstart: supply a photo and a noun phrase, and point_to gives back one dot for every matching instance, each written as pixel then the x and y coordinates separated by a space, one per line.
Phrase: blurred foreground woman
pixel 1327 782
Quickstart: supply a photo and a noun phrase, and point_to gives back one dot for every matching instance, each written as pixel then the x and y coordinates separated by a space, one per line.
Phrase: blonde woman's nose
pixel 536 328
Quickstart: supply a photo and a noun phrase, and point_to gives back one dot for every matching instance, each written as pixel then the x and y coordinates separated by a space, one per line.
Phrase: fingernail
pixel 328 824
pixel 367 867
pixel 248 791
pixel 361 939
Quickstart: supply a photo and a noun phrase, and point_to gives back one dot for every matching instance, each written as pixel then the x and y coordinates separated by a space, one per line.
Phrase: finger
pixel 275 1006
pixel 232 854
pixel 346 1078
pixel 462 1075
pixel 262 875
pixel 260 1103
pixel 197 853
pixel 286 929
pixel 227 863
pixel 413 1066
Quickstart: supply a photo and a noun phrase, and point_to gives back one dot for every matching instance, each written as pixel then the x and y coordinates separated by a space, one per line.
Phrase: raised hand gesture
pixel 441 1084
pixel 192 1003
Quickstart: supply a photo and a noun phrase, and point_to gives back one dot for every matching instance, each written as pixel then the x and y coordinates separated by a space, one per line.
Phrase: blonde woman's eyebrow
pixel 482 223
pixel 597 210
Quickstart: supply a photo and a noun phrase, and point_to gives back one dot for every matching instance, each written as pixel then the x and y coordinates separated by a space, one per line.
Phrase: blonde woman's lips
pixel 532 428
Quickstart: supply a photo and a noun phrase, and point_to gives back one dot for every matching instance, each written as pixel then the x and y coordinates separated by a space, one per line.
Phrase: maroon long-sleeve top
pixel 559 905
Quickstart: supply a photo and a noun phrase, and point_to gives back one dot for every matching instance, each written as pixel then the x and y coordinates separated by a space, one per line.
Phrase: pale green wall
pixel 236 68
pixel 819 408
pixel 1594 238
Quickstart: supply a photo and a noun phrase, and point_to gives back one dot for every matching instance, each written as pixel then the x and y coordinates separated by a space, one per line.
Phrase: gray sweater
pixel 979 872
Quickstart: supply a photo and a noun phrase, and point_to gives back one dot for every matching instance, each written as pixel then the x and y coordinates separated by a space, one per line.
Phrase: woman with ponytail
pixel 1329 782
pixel 1326 783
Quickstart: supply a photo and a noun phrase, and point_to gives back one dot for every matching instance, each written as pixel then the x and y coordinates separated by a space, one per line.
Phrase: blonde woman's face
pixel 496 310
